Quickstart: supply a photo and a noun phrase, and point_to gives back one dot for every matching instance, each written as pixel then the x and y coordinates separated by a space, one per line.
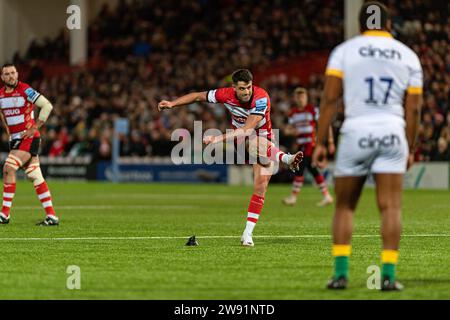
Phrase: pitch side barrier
pixel 63 168
pixel 161 170
pixel 423 175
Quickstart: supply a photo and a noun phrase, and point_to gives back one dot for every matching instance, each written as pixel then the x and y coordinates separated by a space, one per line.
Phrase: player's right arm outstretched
pixel 183 100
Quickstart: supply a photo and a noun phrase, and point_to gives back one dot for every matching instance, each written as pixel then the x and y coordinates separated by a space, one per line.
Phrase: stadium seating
pixel 151 50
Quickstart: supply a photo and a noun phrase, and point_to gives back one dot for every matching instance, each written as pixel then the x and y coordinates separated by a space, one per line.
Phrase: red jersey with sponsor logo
pixel 259 104
pixel 18 109
pixel 304 122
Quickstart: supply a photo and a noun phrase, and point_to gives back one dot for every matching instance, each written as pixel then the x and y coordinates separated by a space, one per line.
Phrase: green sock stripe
pixel 389 271
pixel 341 266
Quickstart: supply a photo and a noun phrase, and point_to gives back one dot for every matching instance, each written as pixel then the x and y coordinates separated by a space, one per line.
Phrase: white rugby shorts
pixel 371 147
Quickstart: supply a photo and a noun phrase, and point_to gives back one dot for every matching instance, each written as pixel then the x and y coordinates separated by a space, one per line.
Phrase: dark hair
pixel 7 65
pixel 364 16
pixel 243 75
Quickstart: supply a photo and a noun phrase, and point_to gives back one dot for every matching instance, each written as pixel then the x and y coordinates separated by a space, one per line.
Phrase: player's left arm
pixel 328 107
pixel 46 108
pixel 413 105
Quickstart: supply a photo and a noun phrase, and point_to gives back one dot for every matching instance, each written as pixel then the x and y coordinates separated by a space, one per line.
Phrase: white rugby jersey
pixel 377 71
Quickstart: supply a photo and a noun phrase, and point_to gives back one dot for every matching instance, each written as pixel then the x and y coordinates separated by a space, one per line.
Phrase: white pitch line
pixel 215 237
pixel 111 207
pixel 191 196
pixel 184 196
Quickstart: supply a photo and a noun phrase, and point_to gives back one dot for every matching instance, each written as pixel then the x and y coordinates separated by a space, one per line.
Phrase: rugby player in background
pixel 302 124
pixel 17 101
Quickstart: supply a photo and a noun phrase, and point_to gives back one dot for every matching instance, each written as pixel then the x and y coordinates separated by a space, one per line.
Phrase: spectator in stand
pixel 441 152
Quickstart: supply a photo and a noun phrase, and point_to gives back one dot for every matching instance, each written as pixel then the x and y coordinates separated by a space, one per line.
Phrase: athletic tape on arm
pixel 46 108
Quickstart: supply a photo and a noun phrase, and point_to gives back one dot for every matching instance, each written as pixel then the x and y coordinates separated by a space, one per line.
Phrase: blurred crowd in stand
pixel 153 50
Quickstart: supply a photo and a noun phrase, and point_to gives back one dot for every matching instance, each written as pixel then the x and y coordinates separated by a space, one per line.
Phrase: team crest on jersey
pixel 31 94
pixel 261 105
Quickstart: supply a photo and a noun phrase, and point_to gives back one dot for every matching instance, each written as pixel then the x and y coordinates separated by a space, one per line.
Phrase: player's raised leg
pixel 34 174
pixel 348 191
pixel 389 200
pixel 261 182
pixel 14 162
pixel 267 148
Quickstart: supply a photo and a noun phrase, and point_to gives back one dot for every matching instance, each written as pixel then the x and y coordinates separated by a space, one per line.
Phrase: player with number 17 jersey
pixel 377 70
pixel 380 80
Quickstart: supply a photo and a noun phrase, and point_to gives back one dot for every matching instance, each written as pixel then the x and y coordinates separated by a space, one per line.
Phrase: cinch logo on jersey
pixel 383 142
pixel 380 53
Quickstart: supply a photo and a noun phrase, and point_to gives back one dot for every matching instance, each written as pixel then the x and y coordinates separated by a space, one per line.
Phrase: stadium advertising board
pixel 65 168
pixel 68 168
pixel 164 173
pixel 69 171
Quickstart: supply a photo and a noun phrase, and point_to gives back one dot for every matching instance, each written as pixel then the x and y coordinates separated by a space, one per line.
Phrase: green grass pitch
pixel 129 242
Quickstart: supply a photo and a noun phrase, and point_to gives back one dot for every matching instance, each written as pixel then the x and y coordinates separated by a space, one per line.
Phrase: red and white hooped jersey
pixel 304 122
pixel 18 109
pixel 259 104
